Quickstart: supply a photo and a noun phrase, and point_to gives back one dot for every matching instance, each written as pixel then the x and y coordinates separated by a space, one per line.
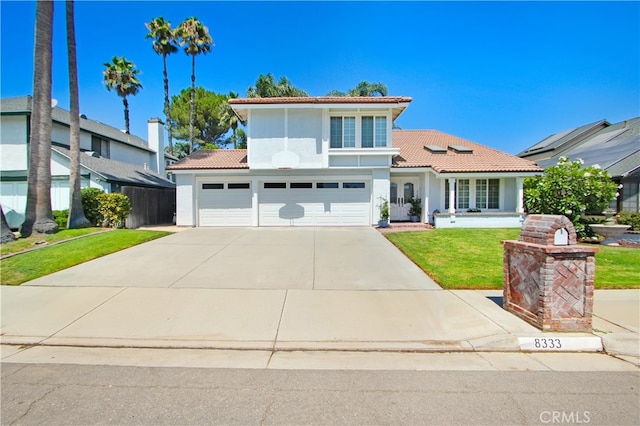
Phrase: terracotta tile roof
pixel 213 159
pixel 482 158
pixel 322 100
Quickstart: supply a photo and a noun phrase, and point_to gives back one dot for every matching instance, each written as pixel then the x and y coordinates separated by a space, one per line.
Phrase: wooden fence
pixel 150 206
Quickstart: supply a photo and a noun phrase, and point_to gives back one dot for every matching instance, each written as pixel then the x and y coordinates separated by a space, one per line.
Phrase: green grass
pixel 47 260
pixel 472 258
pixel 30 242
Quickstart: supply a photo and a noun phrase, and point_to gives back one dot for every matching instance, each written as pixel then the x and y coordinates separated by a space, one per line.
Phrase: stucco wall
pixel 13 142
pixel 185 200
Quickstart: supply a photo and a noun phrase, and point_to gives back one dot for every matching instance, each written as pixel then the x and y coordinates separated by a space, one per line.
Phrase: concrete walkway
pixel 282 295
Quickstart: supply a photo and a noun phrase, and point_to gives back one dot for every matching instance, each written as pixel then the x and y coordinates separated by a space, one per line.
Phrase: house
pixel 614 147
pixel 316 161
pixel 111 159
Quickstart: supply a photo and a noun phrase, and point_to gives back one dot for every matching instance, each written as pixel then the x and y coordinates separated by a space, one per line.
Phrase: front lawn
pixel 35 240
pixel 47 260
pixel 472 258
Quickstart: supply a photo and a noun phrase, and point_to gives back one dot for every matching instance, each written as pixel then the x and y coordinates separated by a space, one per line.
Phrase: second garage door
pixel 314 203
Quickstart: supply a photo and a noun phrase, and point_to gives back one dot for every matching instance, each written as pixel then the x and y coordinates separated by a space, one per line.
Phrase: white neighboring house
pixel 329 161
pixel 110 160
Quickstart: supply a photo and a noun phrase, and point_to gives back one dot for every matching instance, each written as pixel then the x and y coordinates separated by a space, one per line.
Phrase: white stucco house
pixel 329 161
pixel 111 159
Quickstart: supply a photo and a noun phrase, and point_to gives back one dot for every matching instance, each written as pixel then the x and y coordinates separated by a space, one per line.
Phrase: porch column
pixel 520 197
pixel 452 196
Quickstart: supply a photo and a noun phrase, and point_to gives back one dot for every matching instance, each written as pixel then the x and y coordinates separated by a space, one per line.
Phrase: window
pixel 372 130
pixel 275 185
pixel 212 186
pixel 301 185
pixel 343 132
pixel 327 185
pixel 353 185
pixel 100 146
pixel 239 186
pixel 462 189
pixel 488 193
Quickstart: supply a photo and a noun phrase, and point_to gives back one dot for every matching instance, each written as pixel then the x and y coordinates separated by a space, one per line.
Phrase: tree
pixel 165 42
pixel 364 88
pixel 266 87
pixel 76 217
pixel 180 149
pixel 569 189
pixel 122 76
pixel 38 215
pixel 196 41
pixel 230 119
pixel 208 127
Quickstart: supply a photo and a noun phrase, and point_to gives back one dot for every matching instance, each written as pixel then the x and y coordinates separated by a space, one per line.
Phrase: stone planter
pixel 611 233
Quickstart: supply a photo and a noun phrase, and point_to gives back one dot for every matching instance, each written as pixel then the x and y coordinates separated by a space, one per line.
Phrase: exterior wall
pixel 13 142
pixel 185 200
pixel 128 154
pixel 282 138
pixel 509 194
pixel 379 189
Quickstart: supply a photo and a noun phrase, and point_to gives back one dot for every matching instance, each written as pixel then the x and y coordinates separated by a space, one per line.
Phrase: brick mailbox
pixel 548 279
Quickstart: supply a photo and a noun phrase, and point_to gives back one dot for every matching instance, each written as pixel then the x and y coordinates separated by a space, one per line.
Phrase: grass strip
pixel 34 264
pixel 473 258
pixel 22 244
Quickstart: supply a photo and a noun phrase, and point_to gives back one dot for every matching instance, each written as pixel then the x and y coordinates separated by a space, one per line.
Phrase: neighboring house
pixel 330 161
pixel 614 147
pixel 111 159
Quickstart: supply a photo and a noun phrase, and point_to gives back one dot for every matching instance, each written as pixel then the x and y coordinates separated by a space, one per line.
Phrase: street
pixel 96 394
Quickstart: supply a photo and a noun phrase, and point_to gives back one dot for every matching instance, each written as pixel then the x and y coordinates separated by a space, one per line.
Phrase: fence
pixel 150 206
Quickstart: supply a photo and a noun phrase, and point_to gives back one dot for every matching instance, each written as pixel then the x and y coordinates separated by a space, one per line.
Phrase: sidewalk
pixel 296 321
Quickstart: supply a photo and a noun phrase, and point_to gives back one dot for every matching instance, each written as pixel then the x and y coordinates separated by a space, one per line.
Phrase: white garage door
pixel 315 203
pixel 224 204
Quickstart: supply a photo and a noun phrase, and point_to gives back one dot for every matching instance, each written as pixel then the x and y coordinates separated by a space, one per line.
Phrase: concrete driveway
pixel 357 258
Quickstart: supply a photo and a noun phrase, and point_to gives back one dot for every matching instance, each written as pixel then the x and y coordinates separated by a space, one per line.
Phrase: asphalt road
pixel 55 394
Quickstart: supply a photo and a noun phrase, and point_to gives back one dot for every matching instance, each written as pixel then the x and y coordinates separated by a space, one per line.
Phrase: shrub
pixel 114 208
pixel 91 205
pixel 61 217
pixel 571 190
pixel 630 218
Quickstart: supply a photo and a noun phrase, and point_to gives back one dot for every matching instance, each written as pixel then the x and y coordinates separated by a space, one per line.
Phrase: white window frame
pixel 358 128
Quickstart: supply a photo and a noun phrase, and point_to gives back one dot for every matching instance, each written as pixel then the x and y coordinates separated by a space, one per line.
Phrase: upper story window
pixel 367 131
pixel 100 146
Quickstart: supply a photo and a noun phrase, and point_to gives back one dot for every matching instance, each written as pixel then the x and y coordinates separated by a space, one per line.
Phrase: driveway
pixel 357 258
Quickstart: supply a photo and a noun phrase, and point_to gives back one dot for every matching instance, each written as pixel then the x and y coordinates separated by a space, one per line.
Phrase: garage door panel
pixel 224 207
pixel 314 207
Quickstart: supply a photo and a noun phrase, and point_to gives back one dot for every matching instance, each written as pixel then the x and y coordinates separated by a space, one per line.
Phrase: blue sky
pixel 504 74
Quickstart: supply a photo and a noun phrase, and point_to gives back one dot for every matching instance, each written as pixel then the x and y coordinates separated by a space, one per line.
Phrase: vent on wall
pixel 461 149
pixel 435 149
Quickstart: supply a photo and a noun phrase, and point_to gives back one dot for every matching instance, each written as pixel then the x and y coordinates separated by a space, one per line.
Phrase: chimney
pixel 155 131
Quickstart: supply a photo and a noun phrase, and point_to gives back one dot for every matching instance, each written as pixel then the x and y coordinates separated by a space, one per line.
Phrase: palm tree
pixel 38 216
pixel 364 88
pixel 196 41
pixel 230 119
pixel 266 87
pixel 121 75
pixel 76 218
pixel 165 42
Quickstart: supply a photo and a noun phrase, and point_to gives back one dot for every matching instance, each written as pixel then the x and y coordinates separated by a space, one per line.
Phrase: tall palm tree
pixel 38 216
pixel 122 76
pixel 364 88
pixel 165 42
pixel 76 218
pixel 230 119
pixel 267 87
pixel 195 38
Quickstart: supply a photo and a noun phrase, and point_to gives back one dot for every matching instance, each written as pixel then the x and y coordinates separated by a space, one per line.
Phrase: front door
pixel 402 190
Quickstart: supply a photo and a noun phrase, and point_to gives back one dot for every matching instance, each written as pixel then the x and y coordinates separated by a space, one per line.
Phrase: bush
pixel 630 218
pixel 61 217
pixel 114 209
pixel 91 205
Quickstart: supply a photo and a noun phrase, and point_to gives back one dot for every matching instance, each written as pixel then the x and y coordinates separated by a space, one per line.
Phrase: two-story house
pixel 331 161
pixel 111 159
